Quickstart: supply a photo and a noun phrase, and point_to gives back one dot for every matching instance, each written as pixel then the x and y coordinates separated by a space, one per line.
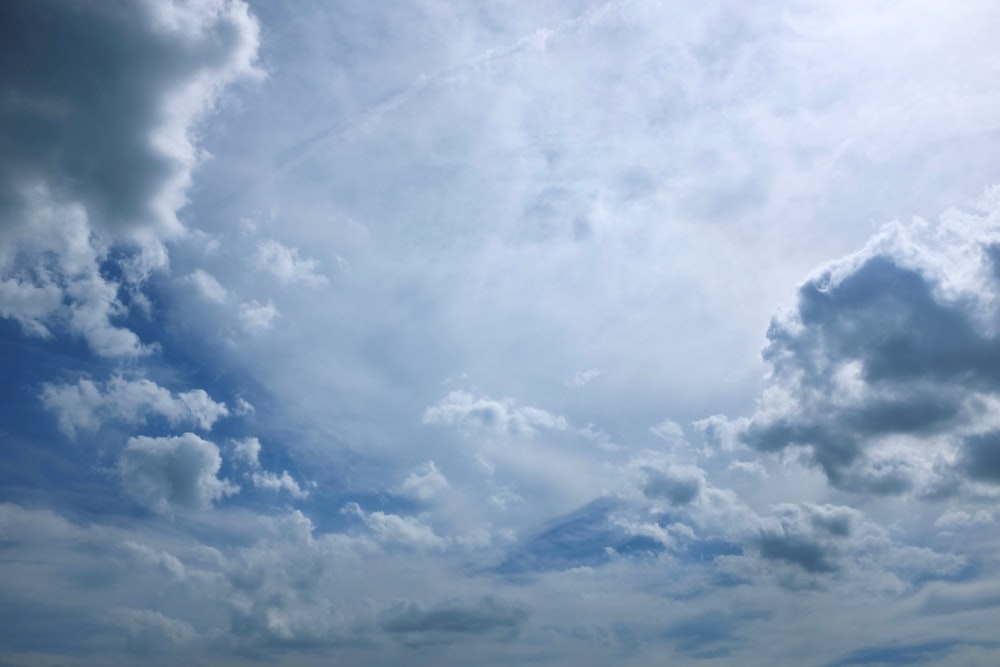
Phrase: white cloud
pixel 467 411
pixel 86 405
pixel 173 472
pixel 207 286
pixel 275 482
pixel 424 482
pixel 286 265
pixel 395 530
pixel 247 450
pixel 257 316
pixel 583 378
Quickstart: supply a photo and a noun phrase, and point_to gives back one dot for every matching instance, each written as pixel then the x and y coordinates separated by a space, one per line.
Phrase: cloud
pixel 86 405
pixel 286 265
pixel 395 530
pixel 486 615
pixel 885 372
pixel 257 316
pixel 173 472
pixel 583 378
pixel 275 482
pixel 247 450
pixel 90 167
pixel 469 412
pixel 149 630
pixel 145 555
pixel 207 287
pixel 424 482
pixel 124 149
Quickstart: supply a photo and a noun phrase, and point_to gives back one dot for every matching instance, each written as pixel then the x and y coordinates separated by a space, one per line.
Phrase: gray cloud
pixel 453 617
pixel 97 100
pixel 173 473
pixel 886 349
pixel 98 107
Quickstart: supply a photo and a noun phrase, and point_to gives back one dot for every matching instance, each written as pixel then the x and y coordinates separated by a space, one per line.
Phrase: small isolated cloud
pixel 207 287
pixel 469 412
pixel 173 473
pixel 86 405
pixel 275 482
pixel 247 450
pixel 583 378
pixel 286 265
pixel 256 316
pixel 424 482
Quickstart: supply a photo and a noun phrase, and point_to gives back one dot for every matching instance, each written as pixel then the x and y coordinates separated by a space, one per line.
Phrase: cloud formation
pixel 100 150
pixel 173 473
pixel 87 405
pixel 885 373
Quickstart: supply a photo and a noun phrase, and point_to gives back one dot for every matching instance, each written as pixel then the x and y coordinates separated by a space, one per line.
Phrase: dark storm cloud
pixel 879 346
pixel 83 92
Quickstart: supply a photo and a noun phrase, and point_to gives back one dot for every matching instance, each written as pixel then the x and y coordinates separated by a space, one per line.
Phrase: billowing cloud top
pixel 448 333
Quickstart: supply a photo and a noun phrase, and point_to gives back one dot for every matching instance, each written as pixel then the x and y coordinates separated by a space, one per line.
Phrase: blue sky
pixel 499 333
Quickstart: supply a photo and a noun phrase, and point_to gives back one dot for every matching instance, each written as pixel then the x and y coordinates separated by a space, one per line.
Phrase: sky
pixel 499 333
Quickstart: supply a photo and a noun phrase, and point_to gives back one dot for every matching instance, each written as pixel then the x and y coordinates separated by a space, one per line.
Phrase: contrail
pixel 536 41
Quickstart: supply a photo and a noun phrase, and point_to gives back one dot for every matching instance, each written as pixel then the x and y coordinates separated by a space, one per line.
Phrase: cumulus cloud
pixel 424 482
pixel 885 373
pixel 468 412
pixel 286 264
pixel 247 450
pixel 394 530
pixel 87 405
pixel 275 482
pixel 257 316
pixel 170 473
pixel 89 168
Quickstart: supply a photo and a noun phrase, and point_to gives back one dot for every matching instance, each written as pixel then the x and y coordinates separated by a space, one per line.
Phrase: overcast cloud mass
pixel 498 333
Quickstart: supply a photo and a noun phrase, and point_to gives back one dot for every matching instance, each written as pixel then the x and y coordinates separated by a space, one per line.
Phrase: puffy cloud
pixel 93 167
pixel 173 473
pixel 470 412
pixel 395 530
pixel 247 450
pixel 886 372
pixel 286 265
pixel 207 287
pixel 257 316
pixel 961 519
pixel 424 482
pixel 123 149
pixel 275 482
pixel 50 278
pixel 86 405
